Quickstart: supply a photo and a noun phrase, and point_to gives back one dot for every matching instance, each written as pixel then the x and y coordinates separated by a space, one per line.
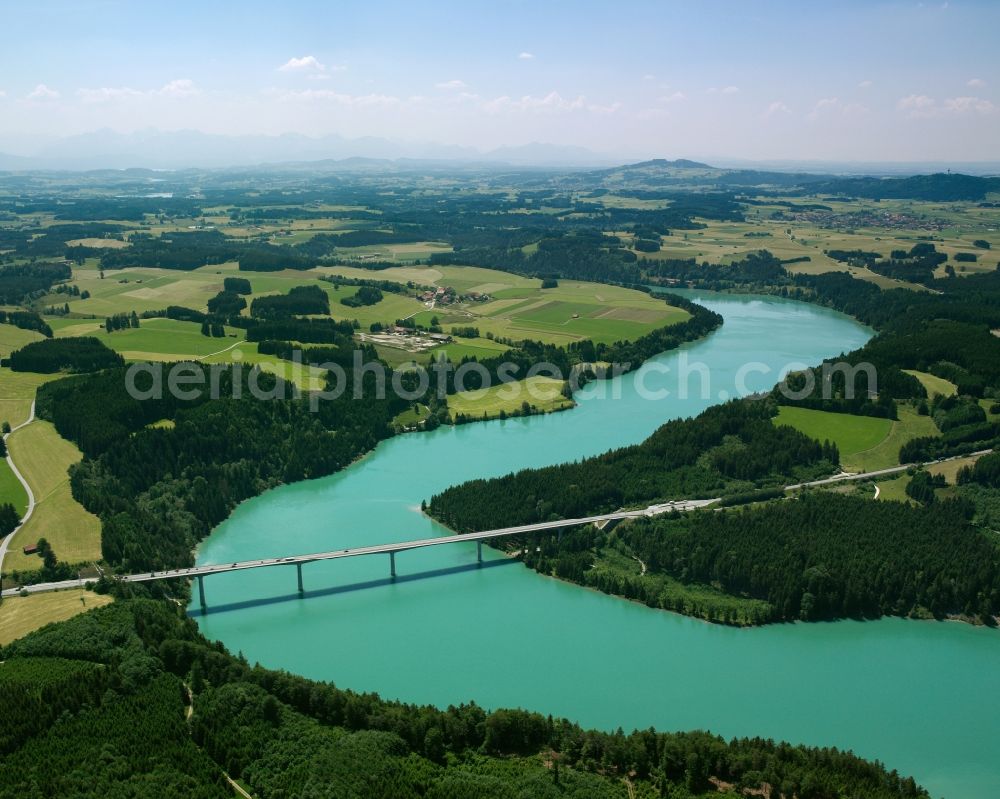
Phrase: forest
pixel 50 355
pixel 299 300
pixel 727 449
pixel 158 491
pixel 141 664
pixel 819 557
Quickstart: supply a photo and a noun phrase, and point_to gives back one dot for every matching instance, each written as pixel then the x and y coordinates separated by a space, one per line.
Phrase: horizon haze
pixel 85 85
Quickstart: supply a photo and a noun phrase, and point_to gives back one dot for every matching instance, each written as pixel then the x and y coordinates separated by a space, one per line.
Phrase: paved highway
pixel 384 549
pixel 197 572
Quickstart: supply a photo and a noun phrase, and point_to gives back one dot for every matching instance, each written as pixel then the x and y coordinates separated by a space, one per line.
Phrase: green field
pixel 894 490
pixel 543 395
pixel 851 434
pixel 767 226
pixel 934 385
pixel 865 443
pixel 13 338
pixel 44 458
pixel 17 391
pixel 518 308
pixel 11 489
pixel 155 339
pixel 413 416
pixel 910 425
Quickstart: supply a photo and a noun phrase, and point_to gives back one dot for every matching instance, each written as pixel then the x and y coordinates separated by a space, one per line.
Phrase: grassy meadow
pixel 851 434
pixel 44 458
pixel 543 394
pixel 22 615
pixel 11 489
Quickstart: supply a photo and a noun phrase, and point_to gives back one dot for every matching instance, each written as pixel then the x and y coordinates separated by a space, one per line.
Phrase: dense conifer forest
pixel 140 665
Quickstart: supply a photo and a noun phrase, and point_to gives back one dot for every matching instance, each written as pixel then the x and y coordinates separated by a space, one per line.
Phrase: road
pixel 384 549
pixel 195 572
pixel 847 476
pixel 31 497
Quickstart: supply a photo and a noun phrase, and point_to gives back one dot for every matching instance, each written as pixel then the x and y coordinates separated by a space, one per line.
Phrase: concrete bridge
pixel 199 573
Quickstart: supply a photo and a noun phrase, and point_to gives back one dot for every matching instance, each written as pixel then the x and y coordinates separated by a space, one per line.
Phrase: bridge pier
pixel 298 568
pixel 479 551
pixel 201 590
pixel 392 564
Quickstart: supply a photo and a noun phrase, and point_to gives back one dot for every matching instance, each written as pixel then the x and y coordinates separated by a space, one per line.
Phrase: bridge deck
pixel 402 546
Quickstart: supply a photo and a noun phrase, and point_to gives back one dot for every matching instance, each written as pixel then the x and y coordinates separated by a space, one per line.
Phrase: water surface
pixel 919 696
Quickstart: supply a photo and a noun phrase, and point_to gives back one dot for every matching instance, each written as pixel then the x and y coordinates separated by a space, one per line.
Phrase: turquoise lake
pixel 919 696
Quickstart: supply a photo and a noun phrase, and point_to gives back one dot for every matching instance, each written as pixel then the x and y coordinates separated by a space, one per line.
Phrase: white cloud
pixel 968 105
pixel 976 83
pixel 673 98
pixel 866 84
pixel 43 92
pixel 307 63
pixel 106 93
pixel 777 107
pixel 451 85
pixel 823 105
pixel 553 102
pixel 340 98
pixel 182 87
pixel 916 105
pixel 723 90
pixel 525 56
pixel 649 76
pixel 2 93
pixel 919 105
pixel 179 88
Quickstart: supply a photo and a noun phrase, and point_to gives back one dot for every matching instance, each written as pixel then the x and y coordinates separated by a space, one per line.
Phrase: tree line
pixel 137 664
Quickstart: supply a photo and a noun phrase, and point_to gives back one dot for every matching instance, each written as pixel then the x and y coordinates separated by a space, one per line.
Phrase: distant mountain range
pixel 154 149
pixel 191 149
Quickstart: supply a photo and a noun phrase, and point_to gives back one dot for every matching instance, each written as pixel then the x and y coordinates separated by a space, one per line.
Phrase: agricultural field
pixel 22 615
pixel 853 435
pixel 865 443
pixel 13 338
pixel 894 489
pixel 933 384
pixel 11 489
pixel 154 339
pixel 17 392
pixel 518 308
pixel 542 395
pixel 44 458
pixel 795 231
pixel 910 425
pixel 950 468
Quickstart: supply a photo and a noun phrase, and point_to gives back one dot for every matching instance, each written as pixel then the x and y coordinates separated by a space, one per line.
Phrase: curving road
pixel 31 497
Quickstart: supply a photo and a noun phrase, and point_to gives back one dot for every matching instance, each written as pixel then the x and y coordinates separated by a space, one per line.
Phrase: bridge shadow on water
pixel 344 589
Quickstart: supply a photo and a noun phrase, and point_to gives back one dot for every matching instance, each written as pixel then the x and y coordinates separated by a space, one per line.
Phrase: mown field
pixel 44 458
pixel 518 308
pixel 11 489
pixel 789 238
pixel 22 615
pixel 17 392
pixel 851 434
pixel 13 338
pixel 542 394
pixel 933 384
pixel 865 443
